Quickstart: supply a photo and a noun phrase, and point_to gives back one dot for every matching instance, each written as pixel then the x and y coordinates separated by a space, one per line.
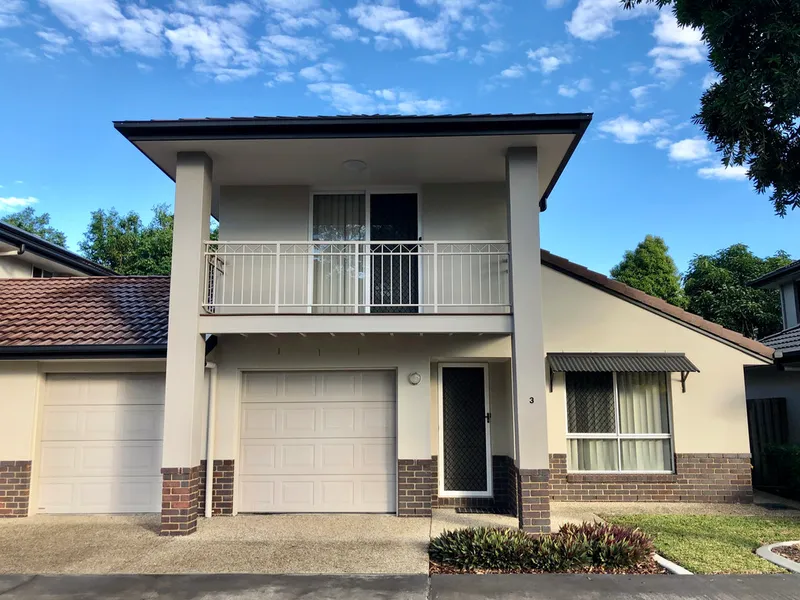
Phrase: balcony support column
pixel 186 392
pixel 527 339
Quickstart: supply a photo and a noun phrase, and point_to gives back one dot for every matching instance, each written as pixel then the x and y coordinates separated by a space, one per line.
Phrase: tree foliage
pixel 752 114
pixel 27 220
pixel 717 290
pixel 651 269
pixel 128 246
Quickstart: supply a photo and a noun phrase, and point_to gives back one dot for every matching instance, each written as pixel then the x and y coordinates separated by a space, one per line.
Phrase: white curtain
pixel 593 455
pixel 643 409
pixel 337 268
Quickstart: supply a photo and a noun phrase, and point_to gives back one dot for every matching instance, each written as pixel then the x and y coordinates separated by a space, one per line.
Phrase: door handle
pixel 489 417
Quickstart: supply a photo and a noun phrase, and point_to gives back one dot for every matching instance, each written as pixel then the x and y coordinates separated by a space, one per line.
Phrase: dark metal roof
pixel 36 245
pixel 776 275
pixel 786 341
pixel 634 362
pixel 364 126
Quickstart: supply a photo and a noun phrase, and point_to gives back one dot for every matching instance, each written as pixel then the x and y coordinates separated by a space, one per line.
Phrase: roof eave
pixel 83 351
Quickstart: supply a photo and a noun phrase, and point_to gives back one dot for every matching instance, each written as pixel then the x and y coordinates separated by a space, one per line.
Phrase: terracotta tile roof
pixel 85 311
pixel 655 304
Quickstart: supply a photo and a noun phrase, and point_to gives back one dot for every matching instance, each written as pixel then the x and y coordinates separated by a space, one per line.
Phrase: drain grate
pixel 485 511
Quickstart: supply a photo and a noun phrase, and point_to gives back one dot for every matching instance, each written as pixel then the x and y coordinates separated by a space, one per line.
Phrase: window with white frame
pixel 618 422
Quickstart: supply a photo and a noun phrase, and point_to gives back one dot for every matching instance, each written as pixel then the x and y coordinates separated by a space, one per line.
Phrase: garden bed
pixel 586 548
pixel 790 552
pixel 711 544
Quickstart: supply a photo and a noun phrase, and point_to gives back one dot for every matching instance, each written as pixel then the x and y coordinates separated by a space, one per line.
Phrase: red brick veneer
pixel 179 500
pixel 698 478
pixel 15 488
pixel 222 490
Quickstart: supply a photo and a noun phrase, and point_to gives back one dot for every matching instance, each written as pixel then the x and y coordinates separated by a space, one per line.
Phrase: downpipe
pixel 210 436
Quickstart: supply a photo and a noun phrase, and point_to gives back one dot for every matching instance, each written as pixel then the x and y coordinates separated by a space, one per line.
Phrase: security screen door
pixel 464 443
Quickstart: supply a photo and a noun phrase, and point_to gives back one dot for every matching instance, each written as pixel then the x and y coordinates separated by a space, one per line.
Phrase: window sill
pixel 621 477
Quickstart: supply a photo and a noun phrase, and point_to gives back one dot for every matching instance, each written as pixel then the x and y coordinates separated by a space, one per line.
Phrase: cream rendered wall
pixel 12 267
pixel 711 417
pixel 405 354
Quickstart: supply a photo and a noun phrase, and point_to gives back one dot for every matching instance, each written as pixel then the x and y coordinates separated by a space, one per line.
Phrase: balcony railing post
pixel 355 282
pixel 277 275
pixel 435 277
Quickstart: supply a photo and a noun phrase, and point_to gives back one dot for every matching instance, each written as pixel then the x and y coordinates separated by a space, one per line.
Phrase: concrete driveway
pixel 297 544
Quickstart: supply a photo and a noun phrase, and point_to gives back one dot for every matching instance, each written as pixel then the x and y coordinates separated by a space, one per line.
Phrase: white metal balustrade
pixel 332 277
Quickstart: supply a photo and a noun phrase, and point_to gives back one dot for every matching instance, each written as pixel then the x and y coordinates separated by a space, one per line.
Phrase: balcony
pixel 357 278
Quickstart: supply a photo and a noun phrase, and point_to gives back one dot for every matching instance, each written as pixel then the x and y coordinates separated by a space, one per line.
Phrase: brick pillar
pixel 415 483
pixel 534 500
pixel 222 488
pixel 179 500
pixel 15 488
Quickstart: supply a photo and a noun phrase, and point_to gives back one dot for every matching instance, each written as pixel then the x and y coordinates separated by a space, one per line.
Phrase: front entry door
pixel 465 469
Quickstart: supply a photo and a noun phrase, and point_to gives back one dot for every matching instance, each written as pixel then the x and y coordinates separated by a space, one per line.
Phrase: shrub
pixel 482 548
pixel 589 546
pixel 784 468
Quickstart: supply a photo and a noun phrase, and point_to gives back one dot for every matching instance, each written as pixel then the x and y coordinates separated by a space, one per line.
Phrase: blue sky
pixel 70 67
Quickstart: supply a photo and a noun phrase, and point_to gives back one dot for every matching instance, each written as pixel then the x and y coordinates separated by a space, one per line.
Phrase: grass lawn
pixel 714 544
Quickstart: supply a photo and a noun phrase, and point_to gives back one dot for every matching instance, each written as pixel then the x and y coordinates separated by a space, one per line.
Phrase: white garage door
pixel 101 443
pixel 317 442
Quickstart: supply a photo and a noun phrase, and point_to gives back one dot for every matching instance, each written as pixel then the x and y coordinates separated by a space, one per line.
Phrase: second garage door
pixel 101 443
pixel 321 441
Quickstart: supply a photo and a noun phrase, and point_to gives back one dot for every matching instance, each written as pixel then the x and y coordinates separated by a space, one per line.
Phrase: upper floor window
pixel 619 422
pixel 41 273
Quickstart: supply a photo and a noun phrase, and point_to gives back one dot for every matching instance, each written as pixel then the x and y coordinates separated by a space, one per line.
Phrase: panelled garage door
pixel 317 442
pixel 101 443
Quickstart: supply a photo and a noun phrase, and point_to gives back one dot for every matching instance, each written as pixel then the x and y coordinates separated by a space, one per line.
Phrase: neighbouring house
pixel 23 254
pixel 773 391
pixel 376 330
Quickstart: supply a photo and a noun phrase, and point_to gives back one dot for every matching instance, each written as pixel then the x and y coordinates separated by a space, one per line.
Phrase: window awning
pixel 621 362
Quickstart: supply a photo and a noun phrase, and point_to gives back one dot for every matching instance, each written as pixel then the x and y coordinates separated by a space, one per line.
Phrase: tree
pixel 123 243
pixel 651 269
pixel 717 289
pixel 752 114
pixel 28 220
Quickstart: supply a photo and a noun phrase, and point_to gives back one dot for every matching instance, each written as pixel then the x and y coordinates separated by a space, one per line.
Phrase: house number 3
pixel 530 400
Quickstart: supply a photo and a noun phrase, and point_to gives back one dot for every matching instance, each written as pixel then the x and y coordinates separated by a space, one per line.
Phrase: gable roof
pixel 84 315
pixel 117 315
pixel 35 245
pixel 773 278
pixel 656 305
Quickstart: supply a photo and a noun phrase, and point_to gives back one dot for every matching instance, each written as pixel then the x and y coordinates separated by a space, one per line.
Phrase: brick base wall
pixel 179 500
pixel 698 478
pixel 415 484
pixel 533 498
pixel 222 488
pixel 15 488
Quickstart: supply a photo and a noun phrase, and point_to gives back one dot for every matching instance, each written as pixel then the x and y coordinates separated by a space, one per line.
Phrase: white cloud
pixel 735 172
pixel 630 131
pixel 342 32
pixel 663 143
pixel 13 204
pixel 553 4
pixel 321 72
pixel 55 42
pixel 11 49
pixel 144 67
pixel 549 58
pixel 594 19
pixel 640 95
pixel 675 46
pixel 495 46
pixel 691 149
pixel 346 99
pixel 432 59
pixel 710 79
pixel 280 77
pixel 10 11
pixel 570 91
pixel 281 50
pixel 398 24
pixel 513 72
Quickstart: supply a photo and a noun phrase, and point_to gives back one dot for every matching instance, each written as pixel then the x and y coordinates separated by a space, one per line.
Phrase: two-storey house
pixel 376 329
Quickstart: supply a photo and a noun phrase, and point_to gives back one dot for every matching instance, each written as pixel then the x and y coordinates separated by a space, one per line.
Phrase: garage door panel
pixel 100 449
pixel 99 495
pixel 317 386
pixel 308 457
pixel 308 420
pixel 103 459
pixel 102 422
pixel 329 493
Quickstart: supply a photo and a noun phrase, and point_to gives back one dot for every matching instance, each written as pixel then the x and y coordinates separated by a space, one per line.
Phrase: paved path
pixel 405 587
